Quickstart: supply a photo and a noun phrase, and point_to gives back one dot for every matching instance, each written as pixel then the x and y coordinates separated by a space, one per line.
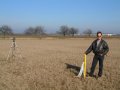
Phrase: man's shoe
pixel 91 75
pixel 99 75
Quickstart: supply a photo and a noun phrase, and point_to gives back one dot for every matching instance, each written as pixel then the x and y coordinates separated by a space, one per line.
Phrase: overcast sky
pixel 98 15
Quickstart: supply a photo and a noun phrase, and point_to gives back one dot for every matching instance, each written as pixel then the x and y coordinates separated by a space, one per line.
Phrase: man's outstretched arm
pixel 89 49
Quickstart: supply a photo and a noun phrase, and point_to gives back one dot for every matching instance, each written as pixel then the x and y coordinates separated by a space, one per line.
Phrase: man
pixel 100 49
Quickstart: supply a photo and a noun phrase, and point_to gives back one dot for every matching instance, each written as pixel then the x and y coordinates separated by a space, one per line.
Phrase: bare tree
pixel 6 30
pixel 64 30
pixel 29 31
pixel 39 30
pixel 88 32
pixel 73 31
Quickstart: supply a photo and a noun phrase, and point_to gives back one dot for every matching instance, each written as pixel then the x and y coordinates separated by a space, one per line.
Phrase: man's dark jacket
pixel 101 49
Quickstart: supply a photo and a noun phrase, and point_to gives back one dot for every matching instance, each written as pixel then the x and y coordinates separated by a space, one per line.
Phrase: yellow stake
pixel 84 65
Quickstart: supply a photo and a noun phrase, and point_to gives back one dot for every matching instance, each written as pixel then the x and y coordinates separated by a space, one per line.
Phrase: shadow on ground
pixel 74 69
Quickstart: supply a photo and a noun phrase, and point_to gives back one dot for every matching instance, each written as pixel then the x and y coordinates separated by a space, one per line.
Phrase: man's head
pixel 99 35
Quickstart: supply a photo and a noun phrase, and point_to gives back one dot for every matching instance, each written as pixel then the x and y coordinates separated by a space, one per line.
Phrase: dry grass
pixel 46 63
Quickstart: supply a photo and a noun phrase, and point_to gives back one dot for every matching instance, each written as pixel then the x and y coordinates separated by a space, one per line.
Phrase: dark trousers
pixel 94 63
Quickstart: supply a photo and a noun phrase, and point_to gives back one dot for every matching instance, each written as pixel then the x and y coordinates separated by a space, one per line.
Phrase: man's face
pixel 99 35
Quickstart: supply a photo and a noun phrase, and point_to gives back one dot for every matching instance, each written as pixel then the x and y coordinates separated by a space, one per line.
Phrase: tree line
pixel 39 30
pixel 65 30
pixel 6 30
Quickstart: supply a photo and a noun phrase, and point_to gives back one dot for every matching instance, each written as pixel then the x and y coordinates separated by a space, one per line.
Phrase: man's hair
pixel 99 32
